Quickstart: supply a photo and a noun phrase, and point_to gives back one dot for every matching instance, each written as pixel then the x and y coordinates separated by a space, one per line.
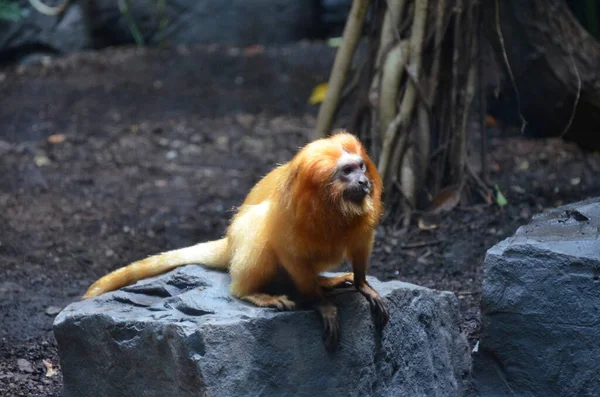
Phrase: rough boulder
pixel 182 334
pixel 541 308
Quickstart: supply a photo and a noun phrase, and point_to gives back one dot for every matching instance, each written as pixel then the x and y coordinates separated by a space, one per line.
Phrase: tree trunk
pixel 555 63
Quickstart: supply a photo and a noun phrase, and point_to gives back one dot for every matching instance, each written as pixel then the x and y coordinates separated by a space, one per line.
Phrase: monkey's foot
pixel 280 302
pixel 378 306
pixel 331 326
pixel 337 281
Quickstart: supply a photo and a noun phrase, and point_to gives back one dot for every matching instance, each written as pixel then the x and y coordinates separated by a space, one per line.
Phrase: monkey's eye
pixel 362 166
pixel 347 170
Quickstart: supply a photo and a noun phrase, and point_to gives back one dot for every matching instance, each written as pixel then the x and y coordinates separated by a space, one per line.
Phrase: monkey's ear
pixel 292 177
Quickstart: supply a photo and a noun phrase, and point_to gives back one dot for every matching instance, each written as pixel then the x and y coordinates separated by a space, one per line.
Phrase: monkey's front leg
pixel 309 285
pixel 378 306
pixel 359 259
pixel 331 324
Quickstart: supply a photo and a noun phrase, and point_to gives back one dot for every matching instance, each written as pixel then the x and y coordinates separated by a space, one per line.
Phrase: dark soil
pixel 161 144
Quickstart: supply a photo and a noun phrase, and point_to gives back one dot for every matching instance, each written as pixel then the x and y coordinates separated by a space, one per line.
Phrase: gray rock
pixel 100 23
pixel 182 334
pixel 541 308
pixel 234 22
pixel 44 34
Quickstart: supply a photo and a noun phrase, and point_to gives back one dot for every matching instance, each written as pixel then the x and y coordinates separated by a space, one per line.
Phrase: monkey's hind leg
pixel 253 265
pixel 336 281
pixel 311 287
pixel 280 302
pixel 249 278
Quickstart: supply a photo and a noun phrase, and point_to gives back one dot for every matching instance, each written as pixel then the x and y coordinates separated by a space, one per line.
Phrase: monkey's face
pixel 351 171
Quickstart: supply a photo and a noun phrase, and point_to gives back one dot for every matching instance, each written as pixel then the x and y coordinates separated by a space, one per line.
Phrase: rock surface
pixel 183 334
pixel 39 33
pixel 100 23
pixel 234 22
pixel 541 308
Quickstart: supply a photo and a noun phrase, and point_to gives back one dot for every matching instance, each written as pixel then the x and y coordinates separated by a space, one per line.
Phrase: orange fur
pixel 295 217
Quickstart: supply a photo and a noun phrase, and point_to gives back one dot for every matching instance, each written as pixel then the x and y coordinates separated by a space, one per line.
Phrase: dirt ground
pixel 107 157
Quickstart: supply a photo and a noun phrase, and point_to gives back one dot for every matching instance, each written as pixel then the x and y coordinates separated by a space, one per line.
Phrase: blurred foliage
pixel 10 11
pixel 588 14
pixel 124 8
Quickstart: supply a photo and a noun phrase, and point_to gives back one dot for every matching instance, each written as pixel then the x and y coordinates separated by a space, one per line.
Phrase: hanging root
pixel 410 95
pixel 341 65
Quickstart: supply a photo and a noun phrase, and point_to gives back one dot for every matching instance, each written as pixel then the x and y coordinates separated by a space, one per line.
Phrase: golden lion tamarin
pixel 305 216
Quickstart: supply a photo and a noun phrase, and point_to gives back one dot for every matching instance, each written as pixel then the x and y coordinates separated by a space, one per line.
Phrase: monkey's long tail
pixel 210 254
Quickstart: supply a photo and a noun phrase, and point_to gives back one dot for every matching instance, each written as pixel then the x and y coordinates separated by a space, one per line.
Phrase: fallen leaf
pixel 518 189
pixel 525 213
pixel 56 138
pixel 426 225
pixel 24 365
pixel 335 41
pixel 524 165
pixel 500 199
pixel 318 94
pixel 411 253
pixel 41 160
pixel 491 121
pixel 446 199
pixel 254 49
pixel 50 371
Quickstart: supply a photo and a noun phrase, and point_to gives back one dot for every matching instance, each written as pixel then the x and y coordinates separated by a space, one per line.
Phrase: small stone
pixel 24 365
pixel 245 120
pixel 53 310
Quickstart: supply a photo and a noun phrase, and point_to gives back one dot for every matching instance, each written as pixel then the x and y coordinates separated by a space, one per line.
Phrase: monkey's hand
pixel 378 306
pixel 331 326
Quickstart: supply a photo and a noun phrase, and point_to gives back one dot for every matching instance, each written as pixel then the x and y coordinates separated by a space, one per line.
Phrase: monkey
pixel 305 216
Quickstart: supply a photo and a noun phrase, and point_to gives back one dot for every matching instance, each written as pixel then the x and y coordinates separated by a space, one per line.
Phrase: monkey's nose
pixel 363 181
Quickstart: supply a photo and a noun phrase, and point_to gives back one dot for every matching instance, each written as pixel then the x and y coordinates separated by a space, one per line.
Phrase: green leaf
pixel 500 199
pixel 334 41
pixel 125 9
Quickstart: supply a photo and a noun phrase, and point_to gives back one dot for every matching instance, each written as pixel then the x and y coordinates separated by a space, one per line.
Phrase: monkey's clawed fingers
pixel 331 327
pixel 379 309
pixel 331 334
pixel 282 303
pixel 378 306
